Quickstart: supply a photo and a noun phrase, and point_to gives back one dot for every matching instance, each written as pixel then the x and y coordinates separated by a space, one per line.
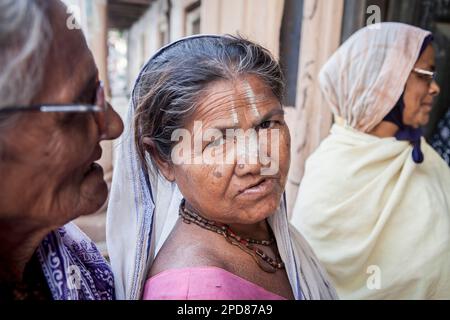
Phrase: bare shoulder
pixel 186 249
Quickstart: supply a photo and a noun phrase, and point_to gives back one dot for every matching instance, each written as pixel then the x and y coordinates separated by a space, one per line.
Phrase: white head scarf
pixel 143 210
pixel 361 80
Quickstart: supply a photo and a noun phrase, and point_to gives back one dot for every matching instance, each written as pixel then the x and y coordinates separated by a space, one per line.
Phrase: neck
pixel 257 231
pixel 17 245
pixel 385 130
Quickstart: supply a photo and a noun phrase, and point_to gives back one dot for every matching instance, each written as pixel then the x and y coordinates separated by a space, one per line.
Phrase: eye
pixel 425 77
pixel 216 142
pixel 270 124
pixel 71 118
pixel 88 96
pixel 66 118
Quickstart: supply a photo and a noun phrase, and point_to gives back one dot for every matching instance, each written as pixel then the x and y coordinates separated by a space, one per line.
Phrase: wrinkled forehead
pixel 246 98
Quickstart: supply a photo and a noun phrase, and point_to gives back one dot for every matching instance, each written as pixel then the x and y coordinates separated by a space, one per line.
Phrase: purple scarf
pixel 73 267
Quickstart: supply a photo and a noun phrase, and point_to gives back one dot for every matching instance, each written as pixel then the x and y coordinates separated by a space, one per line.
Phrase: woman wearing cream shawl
pixel 375 200
pixel 144 207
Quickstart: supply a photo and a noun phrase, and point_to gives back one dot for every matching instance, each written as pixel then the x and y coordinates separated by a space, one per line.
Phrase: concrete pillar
pixel 321 31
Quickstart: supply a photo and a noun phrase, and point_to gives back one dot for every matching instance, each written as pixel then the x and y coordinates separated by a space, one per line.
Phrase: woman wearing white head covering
pixel 375 200
pixel 144 206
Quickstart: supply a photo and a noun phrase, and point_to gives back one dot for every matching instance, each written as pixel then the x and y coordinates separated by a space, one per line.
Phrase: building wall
pixel 259 20
pixel 216 17
pixel 142 39
pixel 146 35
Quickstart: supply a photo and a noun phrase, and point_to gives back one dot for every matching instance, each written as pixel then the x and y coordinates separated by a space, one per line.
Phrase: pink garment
pixel 203 283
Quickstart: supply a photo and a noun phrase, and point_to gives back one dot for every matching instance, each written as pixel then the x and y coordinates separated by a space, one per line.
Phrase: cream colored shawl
pixel 378 222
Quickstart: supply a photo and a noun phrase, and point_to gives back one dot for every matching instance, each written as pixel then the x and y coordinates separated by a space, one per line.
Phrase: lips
pixel 252 185
pixel 257 189
pixel 427 103
pixel 93 166
pixel 427 107
pixel 97 153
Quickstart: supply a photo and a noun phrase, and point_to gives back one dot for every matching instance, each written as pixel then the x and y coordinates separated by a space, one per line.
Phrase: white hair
pixel 25 35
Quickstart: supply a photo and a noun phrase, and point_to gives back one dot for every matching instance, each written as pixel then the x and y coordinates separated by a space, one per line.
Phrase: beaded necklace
pixel 265 262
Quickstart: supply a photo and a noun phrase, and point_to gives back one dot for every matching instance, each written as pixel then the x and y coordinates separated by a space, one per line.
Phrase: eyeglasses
pixel 99 108
pixel 427 75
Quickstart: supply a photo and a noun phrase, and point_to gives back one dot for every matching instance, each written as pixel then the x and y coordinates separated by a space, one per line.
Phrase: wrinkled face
pixel 238 170
pixel 48 176
pixel 420 92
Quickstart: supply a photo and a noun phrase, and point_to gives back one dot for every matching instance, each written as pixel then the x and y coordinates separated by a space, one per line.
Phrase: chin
pixel 265 209
pixel 94 193
pixel 423 122
pixel 93 204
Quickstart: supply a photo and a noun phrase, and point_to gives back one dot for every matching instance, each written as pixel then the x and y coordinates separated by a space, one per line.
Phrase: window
pixel 290 35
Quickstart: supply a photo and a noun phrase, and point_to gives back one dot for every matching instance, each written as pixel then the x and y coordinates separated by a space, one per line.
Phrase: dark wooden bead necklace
pixel 265 262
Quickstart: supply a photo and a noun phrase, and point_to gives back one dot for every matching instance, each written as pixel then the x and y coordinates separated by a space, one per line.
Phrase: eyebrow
pixel 268 116
pixel 430 66
pixel 88 88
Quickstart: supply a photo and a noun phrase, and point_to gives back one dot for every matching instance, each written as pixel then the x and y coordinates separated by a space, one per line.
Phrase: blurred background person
pixel 374 202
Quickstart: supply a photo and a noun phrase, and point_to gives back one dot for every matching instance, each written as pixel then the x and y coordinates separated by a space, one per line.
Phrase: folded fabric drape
pixel 365 206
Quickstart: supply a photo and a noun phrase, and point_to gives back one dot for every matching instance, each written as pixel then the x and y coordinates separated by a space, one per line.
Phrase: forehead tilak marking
pixel 227 96
pixel 234 114
pixel 246 95
pixel 250 94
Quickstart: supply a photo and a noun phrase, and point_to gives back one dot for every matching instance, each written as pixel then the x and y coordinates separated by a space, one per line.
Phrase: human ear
pixel 165 167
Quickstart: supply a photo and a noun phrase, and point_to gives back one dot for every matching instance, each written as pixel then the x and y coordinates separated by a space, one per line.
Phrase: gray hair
pixel 25 34
pixel 171 85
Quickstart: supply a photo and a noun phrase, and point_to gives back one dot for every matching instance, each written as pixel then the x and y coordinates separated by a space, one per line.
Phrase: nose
pixel 243 169
pixel 247 158
pixel 434 89
pixel 114 125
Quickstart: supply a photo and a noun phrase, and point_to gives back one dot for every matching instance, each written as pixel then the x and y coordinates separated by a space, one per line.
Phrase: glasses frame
pixel 99 108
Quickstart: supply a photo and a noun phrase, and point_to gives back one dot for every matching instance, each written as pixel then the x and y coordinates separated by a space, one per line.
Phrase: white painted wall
pixel 258 20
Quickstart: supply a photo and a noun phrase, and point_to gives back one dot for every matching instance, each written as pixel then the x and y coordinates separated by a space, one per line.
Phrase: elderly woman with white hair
pixel 53 116
pixel 374 202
